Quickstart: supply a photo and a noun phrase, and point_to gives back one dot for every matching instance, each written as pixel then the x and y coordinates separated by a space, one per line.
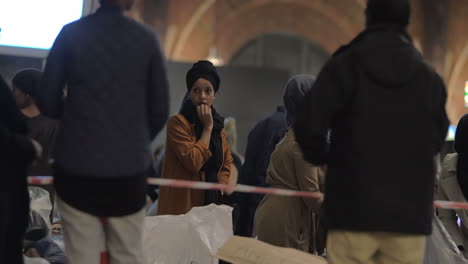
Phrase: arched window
pixel 284 51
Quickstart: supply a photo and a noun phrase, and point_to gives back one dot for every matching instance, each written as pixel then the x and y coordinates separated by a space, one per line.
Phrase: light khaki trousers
pixel 345 247
pixel 96 240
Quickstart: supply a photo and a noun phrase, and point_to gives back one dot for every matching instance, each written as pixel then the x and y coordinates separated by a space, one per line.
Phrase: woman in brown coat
pixel 196 145
pixel 289 221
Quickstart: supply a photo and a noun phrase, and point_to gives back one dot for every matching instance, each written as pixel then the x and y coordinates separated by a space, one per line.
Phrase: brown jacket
pixel 184 159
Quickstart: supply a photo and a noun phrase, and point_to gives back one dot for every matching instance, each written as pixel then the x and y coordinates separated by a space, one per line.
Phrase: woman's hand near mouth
pixel 205 116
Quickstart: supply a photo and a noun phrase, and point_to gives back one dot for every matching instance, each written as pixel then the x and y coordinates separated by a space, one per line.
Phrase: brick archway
pixel 329 24
pixel 310 21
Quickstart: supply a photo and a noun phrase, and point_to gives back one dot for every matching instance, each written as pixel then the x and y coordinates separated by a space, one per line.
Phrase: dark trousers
pixel 14 209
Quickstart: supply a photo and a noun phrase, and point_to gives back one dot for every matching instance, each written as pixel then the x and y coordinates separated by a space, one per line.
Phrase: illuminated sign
pixel 466 94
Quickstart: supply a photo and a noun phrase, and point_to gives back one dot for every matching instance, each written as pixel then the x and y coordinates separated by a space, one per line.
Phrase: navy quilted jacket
pixel 117 98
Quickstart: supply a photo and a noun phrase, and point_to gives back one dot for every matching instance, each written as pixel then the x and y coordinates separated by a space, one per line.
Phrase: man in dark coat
pixel 17 151
pixel 261 143
pixel 117 102
pixel 386 111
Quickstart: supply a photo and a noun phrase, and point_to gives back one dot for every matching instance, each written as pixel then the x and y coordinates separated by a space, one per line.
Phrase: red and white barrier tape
pixel 450 205
pixel 41 180
pixel 45 180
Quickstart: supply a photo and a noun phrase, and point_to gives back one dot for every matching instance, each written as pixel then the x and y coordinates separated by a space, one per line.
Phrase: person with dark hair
pixel 453 186
pixel 261 143
pixel 196 145
pixel 40 127
pixel 17 151
pixel 385 108
pixel 288 221
pixel 117 102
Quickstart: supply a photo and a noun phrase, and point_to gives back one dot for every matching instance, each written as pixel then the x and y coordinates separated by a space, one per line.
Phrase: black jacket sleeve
pixel 158 93
pixel 322 102
pixel 441 121
pixel 50 94
pixel 15 147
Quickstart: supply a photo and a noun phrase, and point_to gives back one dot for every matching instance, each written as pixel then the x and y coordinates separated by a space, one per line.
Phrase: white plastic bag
pixel 40 202
pixel 440 248
pixel 35 260
pixel 193 238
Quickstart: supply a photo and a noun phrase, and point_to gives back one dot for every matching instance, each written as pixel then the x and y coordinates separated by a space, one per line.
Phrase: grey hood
pixel 294 93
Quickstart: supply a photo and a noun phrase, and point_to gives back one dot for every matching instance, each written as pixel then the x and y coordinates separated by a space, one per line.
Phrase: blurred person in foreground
pixel 17 152
pixel 116 104
pixel 386 111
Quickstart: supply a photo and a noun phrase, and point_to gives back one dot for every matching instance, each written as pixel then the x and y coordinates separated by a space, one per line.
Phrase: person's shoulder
pixel 258 127
pixel 80 22
pixel 67 28
pixel 81 25
pixel 277 119
pixel 342 57
pixel 178 121
pixel 143 30
pixel 344 51
pixel 436 78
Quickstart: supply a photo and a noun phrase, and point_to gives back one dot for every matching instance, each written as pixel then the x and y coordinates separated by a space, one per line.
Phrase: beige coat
pixel 449 190
pixel 288 221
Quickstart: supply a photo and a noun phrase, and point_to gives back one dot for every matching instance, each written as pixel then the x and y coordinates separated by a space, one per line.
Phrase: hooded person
pixel 17 151
pixel 385 108
pixel 453 186
pixel 293 222
pixel 196 144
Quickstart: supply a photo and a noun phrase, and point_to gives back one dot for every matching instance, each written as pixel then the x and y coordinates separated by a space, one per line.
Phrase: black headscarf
pixel 294 93
pixel 10 116
pixel 203 69
pixel 394 12
pixel 461 147
pixel 28 81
